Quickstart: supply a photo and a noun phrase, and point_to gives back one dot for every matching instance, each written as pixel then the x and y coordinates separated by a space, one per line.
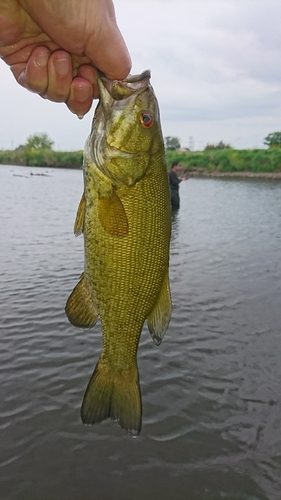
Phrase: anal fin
pixel 80 308
pixel 158 319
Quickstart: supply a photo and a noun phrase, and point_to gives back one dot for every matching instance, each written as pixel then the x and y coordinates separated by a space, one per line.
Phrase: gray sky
pixel 216 70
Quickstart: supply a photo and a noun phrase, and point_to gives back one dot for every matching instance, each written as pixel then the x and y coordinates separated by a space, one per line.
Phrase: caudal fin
pixel 114 395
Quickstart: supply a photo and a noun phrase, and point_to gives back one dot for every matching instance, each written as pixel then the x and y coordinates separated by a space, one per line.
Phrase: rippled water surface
pixel 211 391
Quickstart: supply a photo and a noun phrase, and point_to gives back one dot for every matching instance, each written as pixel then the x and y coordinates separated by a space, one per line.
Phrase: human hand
pixel 54 47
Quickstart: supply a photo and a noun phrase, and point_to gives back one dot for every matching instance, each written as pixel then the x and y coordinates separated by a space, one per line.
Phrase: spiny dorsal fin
pixel 80 217
pixel 158 319
pixel 112 216
pixel 80 308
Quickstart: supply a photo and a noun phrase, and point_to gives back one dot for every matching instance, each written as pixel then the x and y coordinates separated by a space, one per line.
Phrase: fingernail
pixel 42 59
pixel 62 65
pixel 82 94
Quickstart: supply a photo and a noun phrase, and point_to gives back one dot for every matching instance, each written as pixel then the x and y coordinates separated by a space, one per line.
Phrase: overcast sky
pixel 216 70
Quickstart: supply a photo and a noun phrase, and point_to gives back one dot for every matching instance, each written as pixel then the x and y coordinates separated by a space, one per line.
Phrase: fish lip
pixel 146 74
pixel 119 90
pixel 130 78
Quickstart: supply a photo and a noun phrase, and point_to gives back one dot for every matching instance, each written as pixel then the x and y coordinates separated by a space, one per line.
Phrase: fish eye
pixel 146 119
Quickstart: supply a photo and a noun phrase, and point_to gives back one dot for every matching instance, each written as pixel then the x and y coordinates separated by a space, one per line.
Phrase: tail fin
pixel 114 395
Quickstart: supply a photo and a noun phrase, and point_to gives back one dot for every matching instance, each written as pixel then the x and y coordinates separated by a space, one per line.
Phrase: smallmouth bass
pixel 125 217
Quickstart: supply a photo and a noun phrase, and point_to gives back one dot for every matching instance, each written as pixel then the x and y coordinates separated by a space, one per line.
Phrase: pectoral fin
pixel 159 317
pixel 80 216
pixel 112 216
pixel 80 308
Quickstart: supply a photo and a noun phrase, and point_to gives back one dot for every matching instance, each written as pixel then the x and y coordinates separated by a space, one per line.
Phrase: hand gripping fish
pixel 125 217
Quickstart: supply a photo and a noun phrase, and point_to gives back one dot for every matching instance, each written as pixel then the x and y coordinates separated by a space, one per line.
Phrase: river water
pixel 211 390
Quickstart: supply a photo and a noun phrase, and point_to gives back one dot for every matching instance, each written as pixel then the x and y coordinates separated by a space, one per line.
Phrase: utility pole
pixel 191 143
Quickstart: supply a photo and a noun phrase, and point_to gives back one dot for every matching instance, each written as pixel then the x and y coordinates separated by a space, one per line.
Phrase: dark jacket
pixel 174 181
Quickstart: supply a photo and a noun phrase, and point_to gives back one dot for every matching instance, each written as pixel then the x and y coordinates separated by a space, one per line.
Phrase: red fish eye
pixel 146 119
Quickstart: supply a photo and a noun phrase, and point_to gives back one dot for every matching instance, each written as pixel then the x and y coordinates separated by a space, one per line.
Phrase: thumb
pixel 110 54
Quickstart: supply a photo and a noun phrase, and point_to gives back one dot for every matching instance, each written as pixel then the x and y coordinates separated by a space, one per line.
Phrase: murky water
pixel 211 391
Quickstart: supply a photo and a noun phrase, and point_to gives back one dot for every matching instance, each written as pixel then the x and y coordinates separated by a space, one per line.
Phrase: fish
pixel 125 218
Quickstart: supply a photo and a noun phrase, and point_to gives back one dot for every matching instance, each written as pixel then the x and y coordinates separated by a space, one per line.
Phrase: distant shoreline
pixel 192 173
pixel 226 163
pixel 230 163
pixel 202 173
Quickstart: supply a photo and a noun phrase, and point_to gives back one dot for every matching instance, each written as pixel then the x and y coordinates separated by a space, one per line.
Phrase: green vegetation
pixel 219 158
pixel 38 152
pixel 42 158
pixel 222 158
pixel 172 143
pixel 39 141
pixel 228 160
pixel 220 145
pixel 273 140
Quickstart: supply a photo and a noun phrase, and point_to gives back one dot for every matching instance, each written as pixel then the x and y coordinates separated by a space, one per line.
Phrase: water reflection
pixel 175 225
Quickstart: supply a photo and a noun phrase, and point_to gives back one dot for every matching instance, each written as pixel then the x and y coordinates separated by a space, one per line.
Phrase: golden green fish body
pixel 125 217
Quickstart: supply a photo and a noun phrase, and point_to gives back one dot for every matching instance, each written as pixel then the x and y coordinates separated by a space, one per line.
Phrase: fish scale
pixel 125 217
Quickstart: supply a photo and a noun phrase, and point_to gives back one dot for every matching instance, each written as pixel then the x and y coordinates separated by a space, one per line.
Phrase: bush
pixel 229 160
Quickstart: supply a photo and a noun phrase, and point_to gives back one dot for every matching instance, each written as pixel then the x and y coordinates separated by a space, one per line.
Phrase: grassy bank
pixel 223 161
pixel 228 160
pixel 42 158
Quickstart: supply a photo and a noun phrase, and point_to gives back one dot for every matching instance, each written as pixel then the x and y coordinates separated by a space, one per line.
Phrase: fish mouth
pixel 130 78
pixel 138 78
pixel 122 89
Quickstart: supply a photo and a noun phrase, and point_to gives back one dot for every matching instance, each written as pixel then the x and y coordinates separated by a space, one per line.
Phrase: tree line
pixel 38 151
pixel 271 140
pixel 43 141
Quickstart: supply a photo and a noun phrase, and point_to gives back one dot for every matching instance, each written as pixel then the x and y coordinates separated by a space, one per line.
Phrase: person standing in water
pixel 175 181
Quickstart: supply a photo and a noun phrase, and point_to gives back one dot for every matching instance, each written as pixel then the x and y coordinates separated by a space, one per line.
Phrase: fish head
pixel 126 129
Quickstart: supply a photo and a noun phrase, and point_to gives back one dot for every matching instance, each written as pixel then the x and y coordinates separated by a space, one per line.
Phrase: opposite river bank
pixel 227 162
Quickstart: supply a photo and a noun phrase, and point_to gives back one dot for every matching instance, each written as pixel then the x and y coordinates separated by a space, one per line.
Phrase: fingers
pixel 51 76
pixel 31 70
pixel 83 90
pixel 59 76
pixel 81 97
